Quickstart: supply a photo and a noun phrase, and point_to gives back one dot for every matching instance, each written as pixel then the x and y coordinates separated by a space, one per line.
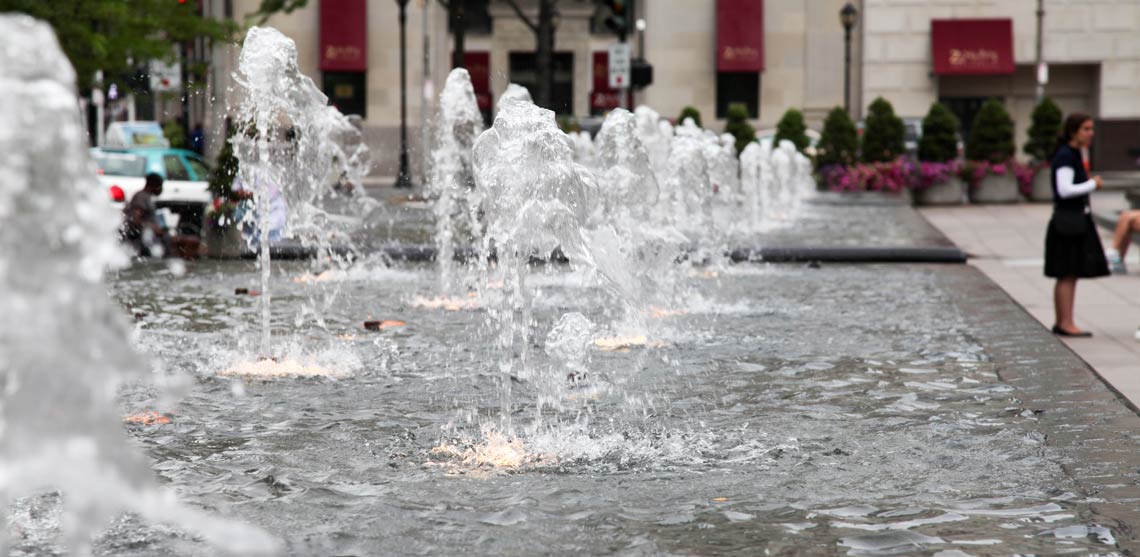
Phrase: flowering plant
pixel 1025 174
pixel 928 174
pixel 222 211
pixel 892 176
pixel 973 172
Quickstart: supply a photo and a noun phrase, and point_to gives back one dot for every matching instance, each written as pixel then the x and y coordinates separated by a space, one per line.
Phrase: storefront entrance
pixel 965 108
pixel 1072 86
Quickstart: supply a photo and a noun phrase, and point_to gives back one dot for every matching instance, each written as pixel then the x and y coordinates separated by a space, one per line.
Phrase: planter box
pixel 1042 186
pixel 223 243
pixel 996 188
pixel 950 192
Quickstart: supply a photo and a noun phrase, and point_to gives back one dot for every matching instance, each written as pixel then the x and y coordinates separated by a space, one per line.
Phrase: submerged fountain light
pixel 64 345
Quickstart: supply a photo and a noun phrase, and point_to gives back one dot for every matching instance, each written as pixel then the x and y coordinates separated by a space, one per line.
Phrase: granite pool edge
pixel 1091 424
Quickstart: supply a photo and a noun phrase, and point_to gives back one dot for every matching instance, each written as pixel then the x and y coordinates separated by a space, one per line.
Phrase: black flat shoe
pixel 1063 333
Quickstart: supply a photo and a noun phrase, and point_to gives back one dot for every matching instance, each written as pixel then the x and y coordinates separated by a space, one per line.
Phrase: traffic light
pixel 618 20
pixel 641 73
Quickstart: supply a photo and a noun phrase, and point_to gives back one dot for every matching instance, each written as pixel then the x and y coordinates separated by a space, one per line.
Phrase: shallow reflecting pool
pixel 798 410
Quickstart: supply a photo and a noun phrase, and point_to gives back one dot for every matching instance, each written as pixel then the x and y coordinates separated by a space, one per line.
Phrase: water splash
pixel 537 200
pixel 688 191
pixel 291 150
pixel 750 183
pixel 457 201
pixel 782 197
pixel 514 92
pixel 64 347
pixel 655 134
pixel 630 192
pixel 585 153
pixel 625 169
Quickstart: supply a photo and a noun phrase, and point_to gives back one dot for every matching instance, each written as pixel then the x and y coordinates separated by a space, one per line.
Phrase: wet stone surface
pixel 863 410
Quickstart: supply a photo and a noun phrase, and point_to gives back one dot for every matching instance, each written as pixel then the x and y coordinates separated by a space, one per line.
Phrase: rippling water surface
pixel 846 409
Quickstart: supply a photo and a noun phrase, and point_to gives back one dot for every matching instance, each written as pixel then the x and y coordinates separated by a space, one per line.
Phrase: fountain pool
pixel 855 409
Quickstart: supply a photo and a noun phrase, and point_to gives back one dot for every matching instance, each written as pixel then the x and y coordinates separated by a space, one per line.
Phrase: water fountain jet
pixel 64 345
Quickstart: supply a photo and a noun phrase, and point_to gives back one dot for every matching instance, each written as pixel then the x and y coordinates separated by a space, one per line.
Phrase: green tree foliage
pixel 839 142
pixel 269 7
pixel 175 134
pixel 690 112
pixel 1044 130
pixel 114 36
pixel 883 133
pixel 991 137
pixel 737 125
pixel 792 127
pixel 939 141
pixel 225 168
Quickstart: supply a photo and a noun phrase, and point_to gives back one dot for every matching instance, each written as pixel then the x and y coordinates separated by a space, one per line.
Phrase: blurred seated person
pixel 144 230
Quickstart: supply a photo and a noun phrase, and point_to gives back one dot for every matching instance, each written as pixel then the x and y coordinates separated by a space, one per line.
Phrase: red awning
pixel 344 35
pixel 739 35
pixel 972 46
pixel 479 66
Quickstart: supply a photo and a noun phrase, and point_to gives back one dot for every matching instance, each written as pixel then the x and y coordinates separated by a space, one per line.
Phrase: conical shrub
pixel 1044 130
pixel 991 136
pixel 839 142
pixel 883 134
pixel 737 125
pixel 690 112
pixel 792 127
pixel 939 141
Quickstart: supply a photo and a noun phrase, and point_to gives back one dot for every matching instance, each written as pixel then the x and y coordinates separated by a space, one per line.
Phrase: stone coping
pixel 1095 429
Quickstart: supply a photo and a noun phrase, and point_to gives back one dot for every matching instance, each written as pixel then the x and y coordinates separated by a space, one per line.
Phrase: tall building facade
pixel 771 55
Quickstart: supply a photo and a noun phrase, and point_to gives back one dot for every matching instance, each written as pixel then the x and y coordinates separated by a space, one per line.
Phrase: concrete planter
pixel 224 242
pixel 950 192
pixel 1042 186
pixel 996 188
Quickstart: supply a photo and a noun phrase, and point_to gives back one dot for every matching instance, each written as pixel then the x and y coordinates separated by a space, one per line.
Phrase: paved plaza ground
pixel 1006 242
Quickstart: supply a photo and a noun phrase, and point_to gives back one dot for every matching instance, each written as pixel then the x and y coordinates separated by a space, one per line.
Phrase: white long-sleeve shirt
pixel 1065 186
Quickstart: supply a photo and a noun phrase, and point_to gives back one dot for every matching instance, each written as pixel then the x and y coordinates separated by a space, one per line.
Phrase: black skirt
pixel 1073 248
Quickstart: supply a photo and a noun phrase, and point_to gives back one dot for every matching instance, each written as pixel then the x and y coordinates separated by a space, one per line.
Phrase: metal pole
pixel 98 99
pixel 1040 59
pixel 847 69
pixel 403 179
pixel 185 101
pixel 427 91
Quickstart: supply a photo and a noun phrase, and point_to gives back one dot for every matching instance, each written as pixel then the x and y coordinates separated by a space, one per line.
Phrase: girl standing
pixel 1072 246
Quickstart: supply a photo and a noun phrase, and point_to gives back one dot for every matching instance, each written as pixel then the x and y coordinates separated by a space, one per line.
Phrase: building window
pixel 523 72
pixel 475 16
pixel 347 91
pixel 738 87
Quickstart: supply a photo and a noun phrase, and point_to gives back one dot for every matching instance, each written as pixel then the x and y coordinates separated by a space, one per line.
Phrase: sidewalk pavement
pixel 1007 243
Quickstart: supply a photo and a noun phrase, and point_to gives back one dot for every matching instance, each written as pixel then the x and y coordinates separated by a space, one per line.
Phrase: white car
pixel 185 190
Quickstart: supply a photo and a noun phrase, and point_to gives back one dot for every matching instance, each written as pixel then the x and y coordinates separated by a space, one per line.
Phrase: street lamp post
pixel 404 178
pixel 847 16
pixel 1042 70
